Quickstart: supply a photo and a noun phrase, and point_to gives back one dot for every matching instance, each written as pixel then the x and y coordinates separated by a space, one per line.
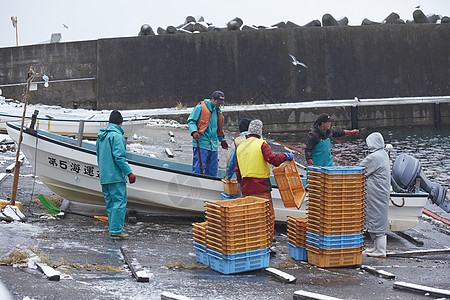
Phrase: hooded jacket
pixel 378 179
pixel 111 155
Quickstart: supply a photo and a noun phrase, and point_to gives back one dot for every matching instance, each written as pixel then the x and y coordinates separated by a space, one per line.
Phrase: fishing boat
pixel 70 126
pixel 69 168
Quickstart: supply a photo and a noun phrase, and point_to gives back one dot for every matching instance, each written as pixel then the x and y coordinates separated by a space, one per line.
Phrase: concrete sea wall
pixel 368 114
pixel 249 66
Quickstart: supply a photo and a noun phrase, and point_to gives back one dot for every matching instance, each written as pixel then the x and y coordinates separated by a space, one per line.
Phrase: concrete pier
pixel 351 113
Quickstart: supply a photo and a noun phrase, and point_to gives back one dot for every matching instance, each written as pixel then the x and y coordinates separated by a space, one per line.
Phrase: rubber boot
pixel 369 250
pixel 380 243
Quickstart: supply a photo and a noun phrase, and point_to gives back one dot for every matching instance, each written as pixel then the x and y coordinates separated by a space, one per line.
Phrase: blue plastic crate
pixel 354 240
pixel 244 261
pixel 201 254
pixel 225 196
pixel 336 170
pixel 335 238
pixel 238 254
pixel 298 253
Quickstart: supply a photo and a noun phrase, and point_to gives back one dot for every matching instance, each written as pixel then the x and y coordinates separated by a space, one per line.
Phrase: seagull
pixel 295 62
pixel 65 26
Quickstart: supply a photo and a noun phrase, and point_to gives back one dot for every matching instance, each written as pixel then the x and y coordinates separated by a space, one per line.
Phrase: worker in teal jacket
pixel 112 163
pixel 206 127
pixel 318 145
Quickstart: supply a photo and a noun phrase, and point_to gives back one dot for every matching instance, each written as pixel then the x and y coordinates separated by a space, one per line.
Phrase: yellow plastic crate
pixel 236 249
pixel 259 223
pixel 238 204
pixel 336 201
pixel 336 183
pixel 326 258
pixel 335 197
pixel 255 230
pixel 289 184
pixel 230 186
pixel 213 218
pixel 323 229
pixel 238 213
pixel 232 242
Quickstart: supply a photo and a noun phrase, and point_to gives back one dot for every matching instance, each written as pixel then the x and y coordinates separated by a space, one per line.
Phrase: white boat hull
pixel 161 185
pixel 69 127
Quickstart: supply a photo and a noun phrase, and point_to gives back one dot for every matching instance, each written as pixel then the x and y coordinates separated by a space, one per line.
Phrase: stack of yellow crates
pixel 237 235
pixel 335 216
pixel 296 232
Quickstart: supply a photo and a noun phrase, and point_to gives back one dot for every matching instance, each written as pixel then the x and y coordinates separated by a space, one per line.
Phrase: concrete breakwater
pixel 354 113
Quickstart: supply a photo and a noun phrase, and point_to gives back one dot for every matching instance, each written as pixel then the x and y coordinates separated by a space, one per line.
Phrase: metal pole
pixel 80 133
pixel 17 34
pixel 17 166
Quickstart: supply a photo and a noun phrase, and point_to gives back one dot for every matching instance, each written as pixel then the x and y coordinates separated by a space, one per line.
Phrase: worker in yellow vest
pixel 206 127
pixel 252 165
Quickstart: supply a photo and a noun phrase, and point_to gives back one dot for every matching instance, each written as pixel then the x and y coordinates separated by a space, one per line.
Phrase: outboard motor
pixel 404 173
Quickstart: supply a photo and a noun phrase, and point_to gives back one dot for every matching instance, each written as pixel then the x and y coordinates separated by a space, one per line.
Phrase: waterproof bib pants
pixel 321 154
pixel 209 162
pixel 116 205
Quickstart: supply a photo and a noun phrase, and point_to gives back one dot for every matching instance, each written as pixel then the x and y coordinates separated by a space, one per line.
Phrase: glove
pixel 289 156
pixel 310 162
pixel 131 178
pixel 196 135
pixel 353 132
pixel 224 145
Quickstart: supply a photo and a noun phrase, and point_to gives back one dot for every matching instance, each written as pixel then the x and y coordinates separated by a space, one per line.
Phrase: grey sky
pixel 94 19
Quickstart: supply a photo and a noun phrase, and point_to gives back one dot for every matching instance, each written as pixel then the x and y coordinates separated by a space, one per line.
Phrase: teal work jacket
pixel 208 139
pixel 111 155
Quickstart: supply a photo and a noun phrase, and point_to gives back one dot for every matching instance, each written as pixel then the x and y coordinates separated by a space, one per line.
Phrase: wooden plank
pixel 416 253
pixel 283 276
pixel 169 153
pixel 380 273
pixel 140 275
pixel 3 177
pixel 10 168
pixel 304 295
pixel 51 274
pixel 172 296
pixel 421 289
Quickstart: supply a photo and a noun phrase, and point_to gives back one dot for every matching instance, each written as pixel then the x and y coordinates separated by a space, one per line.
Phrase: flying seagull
pixel 295 62
pixel 65 26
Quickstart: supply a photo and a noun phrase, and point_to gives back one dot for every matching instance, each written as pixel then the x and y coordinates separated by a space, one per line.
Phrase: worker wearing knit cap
pixel 113 170
pixel 254 157
pixel 243 134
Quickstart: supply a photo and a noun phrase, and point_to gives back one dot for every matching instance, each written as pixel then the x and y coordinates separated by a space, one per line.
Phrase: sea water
pixel 431 147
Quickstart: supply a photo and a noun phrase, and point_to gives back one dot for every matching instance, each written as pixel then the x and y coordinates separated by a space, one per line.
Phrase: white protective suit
pixel 378 179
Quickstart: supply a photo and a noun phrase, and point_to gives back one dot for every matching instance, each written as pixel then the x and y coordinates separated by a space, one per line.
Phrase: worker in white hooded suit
pixel 378 178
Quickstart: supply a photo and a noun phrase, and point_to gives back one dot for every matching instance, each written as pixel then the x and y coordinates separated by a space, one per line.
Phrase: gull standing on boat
pixel 112 162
